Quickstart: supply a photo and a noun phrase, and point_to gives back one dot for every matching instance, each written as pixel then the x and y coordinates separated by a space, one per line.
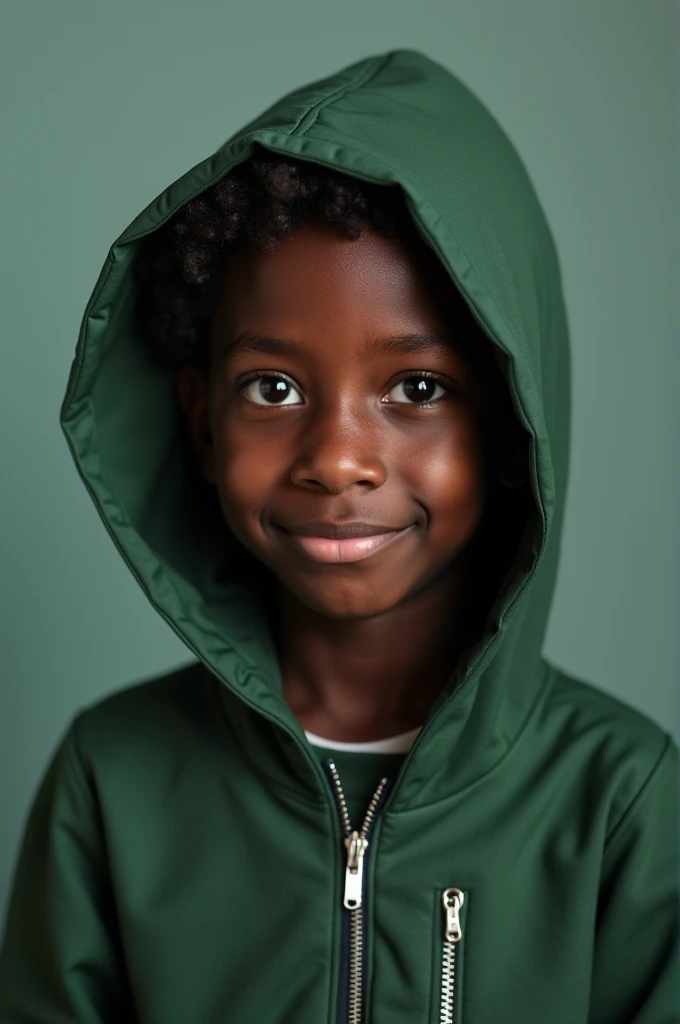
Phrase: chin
pixel 338 601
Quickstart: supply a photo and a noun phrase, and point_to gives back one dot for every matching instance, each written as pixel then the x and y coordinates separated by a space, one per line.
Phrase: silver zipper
pixel 356 844
pixel 452 900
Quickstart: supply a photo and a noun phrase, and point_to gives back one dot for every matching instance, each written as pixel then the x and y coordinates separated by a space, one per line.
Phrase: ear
pixel 191 387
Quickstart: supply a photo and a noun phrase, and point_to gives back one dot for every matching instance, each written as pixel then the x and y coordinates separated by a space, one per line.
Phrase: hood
pixel 396 118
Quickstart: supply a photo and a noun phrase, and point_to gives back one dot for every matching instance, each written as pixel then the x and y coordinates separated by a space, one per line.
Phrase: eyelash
pixel 427 374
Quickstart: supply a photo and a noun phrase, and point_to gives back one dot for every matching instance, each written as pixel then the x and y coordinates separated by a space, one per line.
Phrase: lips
pixel 321 548
pixel 339 531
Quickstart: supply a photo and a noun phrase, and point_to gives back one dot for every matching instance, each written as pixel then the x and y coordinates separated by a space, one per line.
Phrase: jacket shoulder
pixel 602 709
pixel 155 714
pixel 626 746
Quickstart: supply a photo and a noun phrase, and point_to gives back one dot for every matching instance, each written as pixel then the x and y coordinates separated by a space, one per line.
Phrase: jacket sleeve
pixel 60 958
pixel 636 972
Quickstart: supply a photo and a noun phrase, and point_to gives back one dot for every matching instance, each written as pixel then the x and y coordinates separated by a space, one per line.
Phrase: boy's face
pixel 337 431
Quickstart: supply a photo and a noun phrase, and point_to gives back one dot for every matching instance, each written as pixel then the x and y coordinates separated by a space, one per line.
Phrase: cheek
pixel 245 478
pixel 452 483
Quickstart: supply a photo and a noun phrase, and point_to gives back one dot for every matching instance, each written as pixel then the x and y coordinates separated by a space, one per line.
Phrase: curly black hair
pixel 261 199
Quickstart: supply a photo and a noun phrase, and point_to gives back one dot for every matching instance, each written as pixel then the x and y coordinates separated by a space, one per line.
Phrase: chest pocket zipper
pixel 452 901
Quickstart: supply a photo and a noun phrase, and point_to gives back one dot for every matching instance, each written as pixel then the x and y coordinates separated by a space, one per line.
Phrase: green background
pixel 106 104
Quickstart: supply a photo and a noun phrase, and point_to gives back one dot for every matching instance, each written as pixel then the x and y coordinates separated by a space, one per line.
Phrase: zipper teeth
pixel 370 813
pixel 341 797
pixel 357 927
pixel 356 954
pixel 356 975
pixel 448 974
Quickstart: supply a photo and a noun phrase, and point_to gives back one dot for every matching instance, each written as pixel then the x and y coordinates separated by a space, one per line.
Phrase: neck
pixel 362 680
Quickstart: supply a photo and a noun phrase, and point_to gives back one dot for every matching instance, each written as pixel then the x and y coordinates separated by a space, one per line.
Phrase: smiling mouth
pixel 351 549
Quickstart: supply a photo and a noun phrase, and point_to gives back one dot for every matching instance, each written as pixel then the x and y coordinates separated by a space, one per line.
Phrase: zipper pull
pixel 453 900
pixel 356 847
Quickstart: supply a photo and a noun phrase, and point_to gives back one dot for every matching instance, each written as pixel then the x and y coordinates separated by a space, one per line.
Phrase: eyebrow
pixel 399 344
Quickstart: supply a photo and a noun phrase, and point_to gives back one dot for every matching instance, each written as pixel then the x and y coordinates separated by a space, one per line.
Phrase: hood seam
pixel 363 77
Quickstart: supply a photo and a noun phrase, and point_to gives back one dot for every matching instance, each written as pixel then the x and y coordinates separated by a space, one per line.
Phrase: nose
pixel 338 448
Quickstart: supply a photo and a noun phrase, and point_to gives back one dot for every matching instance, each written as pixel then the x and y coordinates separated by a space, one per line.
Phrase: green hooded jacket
pixel 184 859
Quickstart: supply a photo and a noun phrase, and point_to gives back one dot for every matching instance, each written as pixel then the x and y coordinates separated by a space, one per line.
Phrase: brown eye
pixel 421 389
pixel 268 389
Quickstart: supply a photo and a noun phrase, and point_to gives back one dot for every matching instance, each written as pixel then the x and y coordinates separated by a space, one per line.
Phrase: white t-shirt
pixel 399 744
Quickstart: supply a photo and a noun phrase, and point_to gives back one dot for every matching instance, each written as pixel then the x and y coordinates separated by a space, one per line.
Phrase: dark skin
pixel 366 646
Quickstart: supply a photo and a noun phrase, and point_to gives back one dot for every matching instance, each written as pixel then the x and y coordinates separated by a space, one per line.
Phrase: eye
pixel 271 389
pixel 421 387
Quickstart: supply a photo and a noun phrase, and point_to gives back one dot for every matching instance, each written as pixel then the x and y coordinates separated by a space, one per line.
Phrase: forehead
pixel 317 275
pixel 320 296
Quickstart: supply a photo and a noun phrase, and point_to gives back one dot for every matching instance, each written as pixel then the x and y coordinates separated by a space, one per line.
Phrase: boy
pixel 321 400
